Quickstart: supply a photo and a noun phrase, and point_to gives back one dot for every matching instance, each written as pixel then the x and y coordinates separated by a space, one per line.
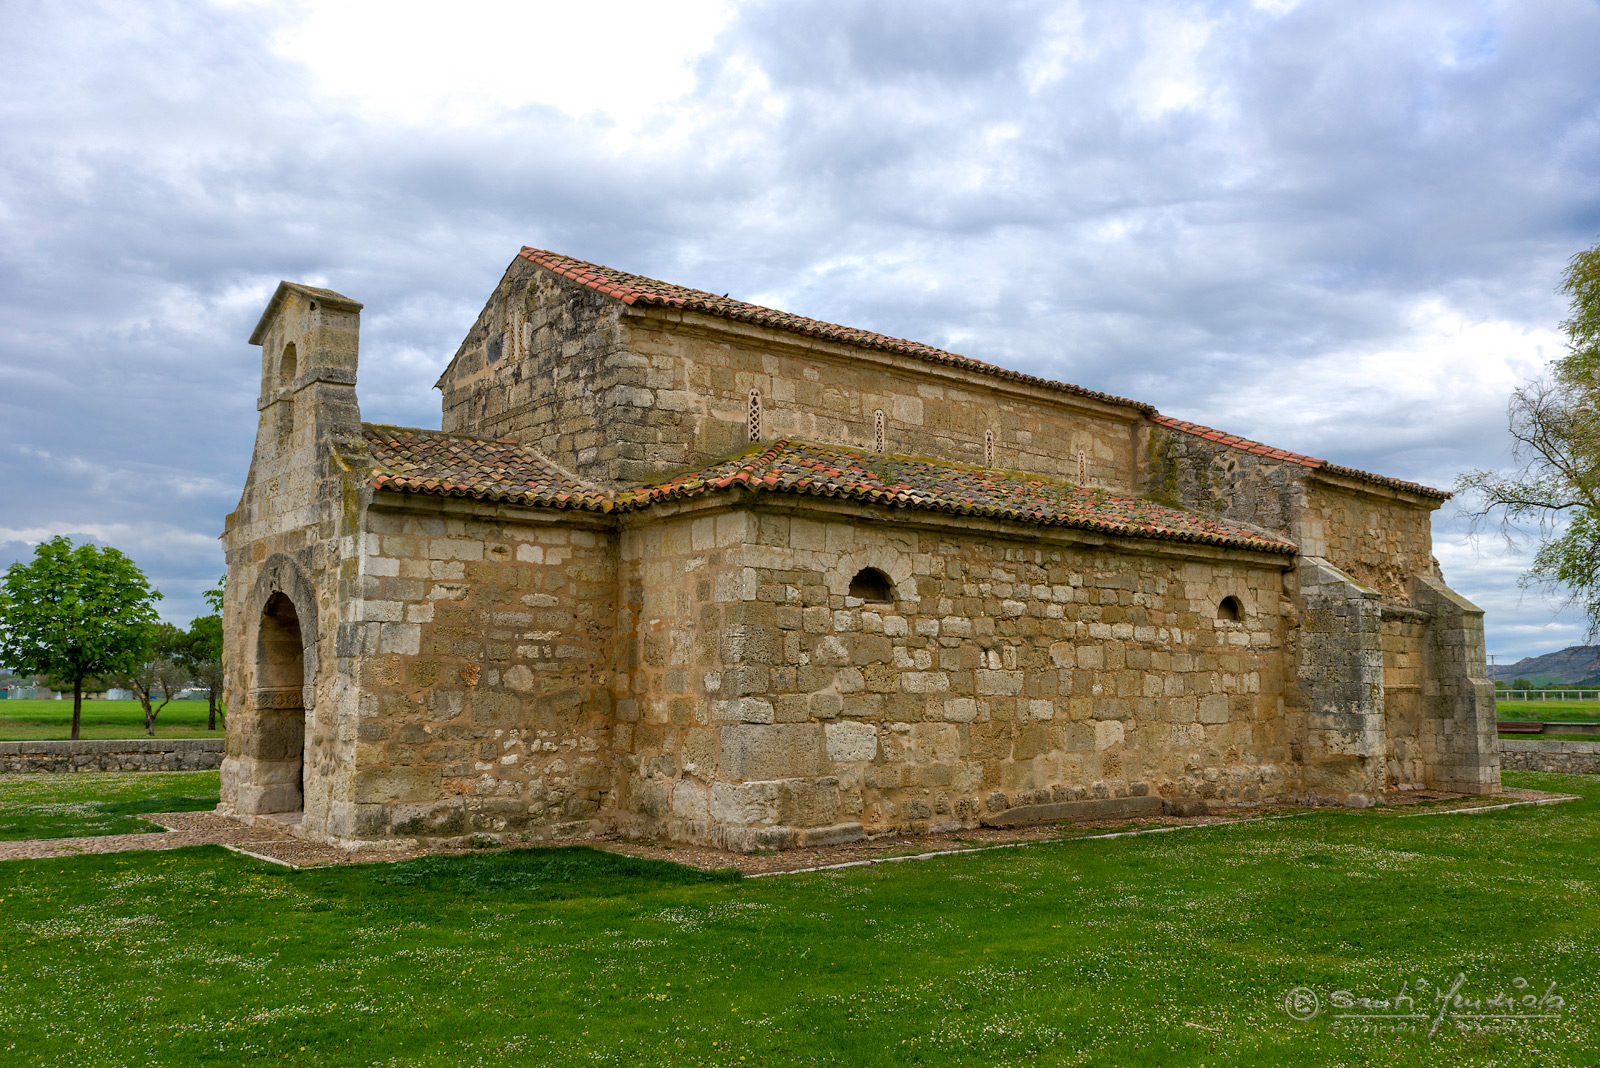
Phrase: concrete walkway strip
pixel 1559 799
pixel 259 856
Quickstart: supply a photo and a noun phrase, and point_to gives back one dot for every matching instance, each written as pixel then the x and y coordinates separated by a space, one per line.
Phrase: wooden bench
pixel 1521 728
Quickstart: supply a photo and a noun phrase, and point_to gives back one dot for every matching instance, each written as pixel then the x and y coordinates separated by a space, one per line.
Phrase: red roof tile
pixel 457 465
pixel 637 289
pixel 428 461
pixel 906 482
pixel 1246 445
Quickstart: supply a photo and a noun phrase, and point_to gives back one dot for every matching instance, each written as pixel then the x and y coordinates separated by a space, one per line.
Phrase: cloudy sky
pixel 1334 226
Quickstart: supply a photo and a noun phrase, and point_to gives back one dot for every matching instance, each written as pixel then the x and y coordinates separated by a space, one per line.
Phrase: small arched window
pixel 1230 610
pixel 872 586
pixel 288 366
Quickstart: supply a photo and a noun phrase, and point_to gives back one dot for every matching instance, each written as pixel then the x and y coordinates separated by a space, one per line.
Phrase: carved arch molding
pixel 282 574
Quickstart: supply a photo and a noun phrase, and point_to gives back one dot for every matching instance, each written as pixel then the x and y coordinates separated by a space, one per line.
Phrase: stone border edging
pixel 1533 753
pixel 1149 830
pixel 110 754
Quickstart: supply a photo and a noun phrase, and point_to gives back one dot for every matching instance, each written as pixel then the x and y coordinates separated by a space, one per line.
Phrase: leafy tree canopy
pixel 203 641
pixel 213 596
pixel 74 611
pixel 1555 432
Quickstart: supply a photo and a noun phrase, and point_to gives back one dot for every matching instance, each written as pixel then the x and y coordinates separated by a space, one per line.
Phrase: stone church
pixel 688 568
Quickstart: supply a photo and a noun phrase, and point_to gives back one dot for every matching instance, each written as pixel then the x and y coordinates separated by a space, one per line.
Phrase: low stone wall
pixel 130 754
pixel 1545 754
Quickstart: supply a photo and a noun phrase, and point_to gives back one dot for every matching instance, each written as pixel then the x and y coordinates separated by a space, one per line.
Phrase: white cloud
pixel 1333 226
pixel 416 63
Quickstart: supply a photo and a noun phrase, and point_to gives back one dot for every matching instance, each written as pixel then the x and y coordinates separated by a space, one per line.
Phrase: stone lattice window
pixel 988 447
pixel 1083 468
pixel 879 431
pixel 872 586
pixel 755 415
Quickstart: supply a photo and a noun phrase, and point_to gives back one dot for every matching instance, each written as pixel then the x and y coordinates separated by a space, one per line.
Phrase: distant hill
pixel 1579 664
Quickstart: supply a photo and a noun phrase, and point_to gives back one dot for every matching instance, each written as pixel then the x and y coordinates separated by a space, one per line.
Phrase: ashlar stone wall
pixel 630 394
pixel 487 704
pixel 771 708
pixel 1379 538
pixel 541 366
pixel 818 391
pixel 1405 641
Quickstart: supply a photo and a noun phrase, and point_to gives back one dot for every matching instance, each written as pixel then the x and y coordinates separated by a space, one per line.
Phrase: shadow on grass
pixel 90 818
pixel 535 874
pixel 159 804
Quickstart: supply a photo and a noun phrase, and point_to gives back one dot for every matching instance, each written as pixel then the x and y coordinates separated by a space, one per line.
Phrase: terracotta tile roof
pixel 457 465
pixel 637 289
pixel 906 482
pixel 1256 447
pixel 432 462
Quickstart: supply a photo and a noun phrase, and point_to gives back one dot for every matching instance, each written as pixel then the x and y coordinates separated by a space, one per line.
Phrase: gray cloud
pixel 1288 225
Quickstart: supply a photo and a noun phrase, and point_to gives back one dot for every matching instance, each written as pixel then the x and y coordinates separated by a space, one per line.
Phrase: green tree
pixel 73 612
pixel 202 652
pixel 160 670
pixel 1555 434
pixel 213 597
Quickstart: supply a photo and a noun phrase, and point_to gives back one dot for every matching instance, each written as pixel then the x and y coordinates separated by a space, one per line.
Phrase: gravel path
pixel 207 828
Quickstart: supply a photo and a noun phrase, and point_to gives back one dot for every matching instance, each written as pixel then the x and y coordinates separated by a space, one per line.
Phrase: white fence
pixel 1547 695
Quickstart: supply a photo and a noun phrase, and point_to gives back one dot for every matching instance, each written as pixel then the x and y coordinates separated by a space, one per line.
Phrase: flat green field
pixel 69 806
pixel 1167 949
pixel 1551 711
pixel 36 721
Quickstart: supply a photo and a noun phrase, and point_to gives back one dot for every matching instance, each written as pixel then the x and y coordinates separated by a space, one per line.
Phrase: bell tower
pixel 309 342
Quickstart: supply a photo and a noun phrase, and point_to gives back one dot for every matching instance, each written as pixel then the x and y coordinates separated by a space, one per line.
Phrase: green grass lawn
pixel 70 806
pixel 1171 949
pixel 34 721
pixel 1548 711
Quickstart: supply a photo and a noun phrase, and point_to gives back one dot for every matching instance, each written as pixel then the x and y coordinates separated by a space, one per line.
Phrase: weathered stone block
pixel 776 751
pixel 849 741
